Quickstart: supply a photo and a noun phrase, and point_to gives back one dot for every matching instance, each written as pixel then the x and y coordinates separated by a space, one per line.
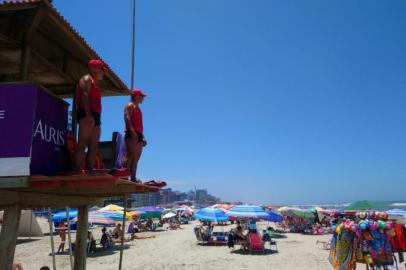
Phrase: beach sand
pixel 179 250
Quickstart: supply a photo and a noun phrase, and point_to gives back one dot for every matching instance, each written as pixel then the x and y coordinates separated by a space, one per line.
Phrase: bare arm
pixel 85 84
pixel 127 117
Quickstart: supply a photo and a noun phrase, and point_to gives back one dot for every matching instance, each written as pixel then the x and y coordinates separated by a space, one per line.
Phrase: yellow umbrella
pixel 112 207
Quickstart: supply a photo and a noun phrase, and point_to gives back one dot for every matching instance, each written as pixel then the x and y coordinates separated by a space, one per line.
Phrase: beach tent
pixel 29 226
pixel 211 214
pixel 366 205
pixel 248 211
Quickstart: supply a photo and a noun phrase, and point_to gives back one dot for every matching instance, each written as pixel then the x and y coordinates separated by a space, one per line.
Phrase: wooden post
pixel 25 58
pixel 8 236
pixel 51 236
pixel 81 239
pixel 69 239
pixel 122 238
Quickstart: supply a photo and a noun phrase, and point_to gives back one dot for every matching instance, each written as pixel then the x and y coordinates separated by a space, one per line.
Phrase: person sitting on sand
pixel 118 232
pixel 91 242
pixel 62 234
pixel 105 240
pixel 240 237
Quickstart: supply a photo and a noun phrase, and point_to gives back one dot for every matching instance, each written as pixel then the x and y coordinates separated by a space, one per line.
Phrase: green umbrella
pixel 366 205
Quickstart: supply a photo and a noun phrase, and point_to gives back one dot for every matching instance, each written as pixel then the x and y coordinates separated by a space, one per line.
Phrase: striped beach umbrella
pixel 211 214
pixel 99 218
pixel 248 211
pixel 396 212
pixel 116 215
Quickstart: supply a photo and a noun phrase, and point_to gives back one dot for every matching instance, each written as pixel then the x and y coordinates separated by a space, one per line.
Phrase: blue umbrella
pixel 61 216
pixel 211 214
pixel 274 217
pixel 248 211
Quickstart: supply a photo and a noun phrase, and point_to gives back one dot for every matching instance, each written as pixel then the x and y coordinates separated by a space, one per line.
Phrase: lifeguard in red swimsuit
pixel 88 102
pixel 134 131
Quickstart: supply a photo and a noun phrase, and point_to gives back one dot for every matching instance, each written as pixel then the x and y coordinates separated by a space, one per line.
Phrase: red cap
pixel 138 92
pixel 96 63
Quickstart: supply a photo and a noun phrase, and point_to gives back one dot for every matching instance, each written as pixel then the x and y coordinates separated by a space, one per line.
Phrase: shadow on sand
pixel 27 240
pixel 98 253
pixel 244 252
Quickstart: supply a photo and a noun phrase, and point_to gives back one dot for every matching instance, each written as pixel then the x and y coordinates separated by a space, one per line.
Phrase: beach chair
pixel 267 237
pixel 255 243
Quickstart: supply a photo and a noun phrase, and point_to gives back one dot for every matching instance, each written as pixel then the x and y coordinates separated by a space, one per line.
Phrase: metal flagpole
pixel 123 228
pixel 133 45
pixel 69 238
pixel 51 234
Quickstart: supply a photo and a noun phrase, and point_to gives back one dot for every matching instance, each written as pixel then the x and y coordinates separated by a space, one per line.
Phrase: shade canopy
pixel 248 211
pixel 211 214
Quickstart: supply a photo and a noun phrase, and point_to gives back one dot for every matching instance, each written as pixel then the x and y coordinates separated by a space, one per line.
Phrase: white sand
pixel 179 250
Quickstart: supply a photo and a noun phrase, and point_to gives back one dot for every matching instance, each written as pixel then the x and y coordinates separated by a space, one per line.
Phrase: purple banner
pixel 49 154
pixel 17 105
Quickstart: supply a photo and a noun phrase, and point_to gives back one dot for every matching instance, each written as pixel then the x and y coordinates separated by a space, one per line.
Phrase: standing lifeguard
pixel 88 102
pixel 134 131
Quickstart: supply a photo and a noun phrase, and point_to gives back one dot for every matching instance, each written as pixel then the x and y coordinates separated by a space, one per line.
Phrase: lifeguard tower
pixel 41 59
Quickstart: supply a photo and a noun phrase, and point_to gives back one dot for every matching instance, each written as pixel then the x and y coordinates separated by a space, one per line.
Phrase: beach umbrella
pixel 149 212
pixel 136 213
pixel 296 212
pixel 247 211
pixel 366 205
pixel 274 217
pixel 211 214
pixel 116 215
pixel 169 215
pixel 149 209
pixel 99 218
pixel 224 206
pixel 112 207
pixel 61 216
pixel 396 212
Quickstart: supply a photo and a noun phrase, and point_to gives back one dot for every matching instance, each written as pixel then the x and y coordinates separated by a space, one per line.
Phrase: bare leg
pixel 130 142
pixel 85 131
pixel 93 146
pixel 137 155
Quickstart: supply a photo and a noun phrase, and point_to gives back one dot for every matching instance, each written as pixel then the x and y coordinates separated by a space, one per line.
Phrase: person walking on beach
pixel 88 102
pixel 62 235
pixel 134 131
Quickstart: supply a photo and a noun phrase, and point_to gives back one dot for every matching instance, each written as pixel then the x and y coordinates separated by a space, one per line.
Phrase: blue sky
pixel 262 101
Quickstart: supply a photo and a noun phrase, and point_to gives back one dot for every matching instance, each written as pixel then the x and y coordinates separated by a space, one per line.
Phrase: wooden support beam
pixel 81 239
pixel 25 61
pixel 28 199
pixel 8 236
pixel 51 67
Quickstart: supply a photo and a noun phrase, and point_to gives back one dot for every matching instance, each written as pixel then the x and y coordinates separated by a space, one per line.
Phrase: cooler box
pixel 33 128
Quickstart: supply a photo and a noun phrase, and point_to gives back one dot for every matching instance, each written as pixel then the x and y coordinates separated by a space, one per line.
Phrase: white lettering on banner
pixel 2 114
pixel 49 133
